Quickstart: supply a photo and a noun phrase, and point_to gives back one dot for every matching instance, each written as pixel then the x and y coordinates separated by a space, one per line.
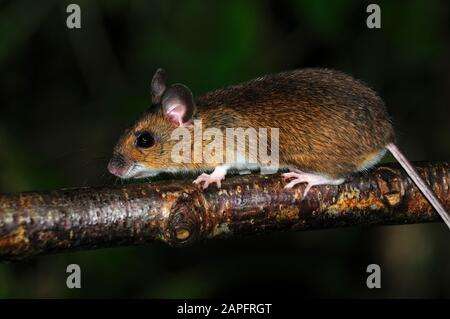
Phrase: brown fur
pixel 329 123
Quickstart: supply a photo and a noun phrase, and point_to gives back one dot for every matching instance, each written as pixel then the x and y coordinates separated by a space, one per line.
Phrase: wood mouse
pixel 330 125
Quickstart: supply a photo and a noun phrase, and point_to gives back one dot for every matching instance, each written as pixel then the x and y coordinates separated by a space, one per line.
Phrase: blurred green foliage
pixel 66 95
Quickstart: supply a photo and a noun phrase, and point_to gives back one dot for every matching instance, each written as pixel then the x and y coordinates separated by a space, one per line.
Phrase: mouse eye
pixel 145 140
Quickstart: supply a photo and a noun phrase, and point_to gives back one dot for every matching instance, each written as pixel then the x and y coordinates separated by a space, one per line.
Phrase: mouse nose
pixel 119 165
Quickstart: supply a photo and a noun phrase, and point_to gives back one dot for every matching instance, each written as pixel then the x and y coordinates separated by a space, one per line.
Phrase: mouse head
pixel 145 149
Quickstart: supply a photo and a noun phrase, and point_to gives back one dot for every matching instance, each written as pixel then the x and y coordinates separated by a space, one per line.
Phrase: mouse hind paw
pixel 298 177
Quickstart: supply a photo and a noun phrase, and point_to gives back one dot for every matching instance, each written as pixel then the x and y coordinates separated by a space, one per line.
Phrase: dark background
pixel 66 95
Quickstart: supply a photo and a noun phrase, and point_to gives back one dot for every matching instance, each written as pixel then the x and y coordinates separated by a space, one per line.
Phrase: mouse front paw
pixel 208 179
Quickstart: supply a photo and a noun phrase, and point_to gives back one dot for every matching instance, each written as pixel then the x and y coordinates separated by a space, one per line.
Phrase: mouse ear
pixel 178 104
pixel 158 85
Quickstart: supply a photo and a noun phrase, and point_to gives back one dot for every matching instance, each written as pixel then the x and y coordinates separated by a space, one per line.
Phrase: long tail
pixel 420 183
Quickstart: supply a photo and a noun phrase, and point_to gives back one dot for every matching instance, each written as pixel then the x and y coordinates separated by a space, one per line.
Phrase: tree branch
pixel 179 213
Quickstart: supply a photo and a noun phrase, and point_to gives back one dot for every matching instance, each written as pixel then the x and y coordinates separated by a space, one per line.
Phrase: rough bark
pixel 179 213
